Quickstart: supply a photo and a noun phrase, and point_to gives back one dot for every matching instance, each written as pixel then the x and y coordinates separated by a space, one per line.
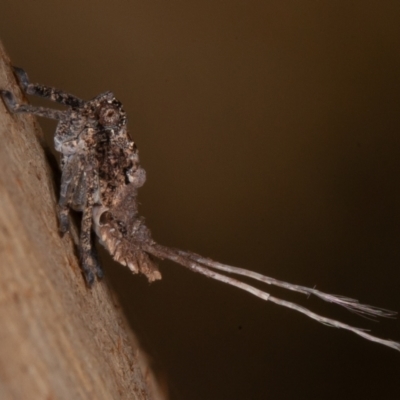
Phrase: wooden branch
pixel 58 339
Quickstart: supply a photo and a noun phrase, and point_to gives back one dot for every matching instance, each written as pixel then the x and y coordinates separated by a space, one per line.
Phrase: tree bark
pixel 58 339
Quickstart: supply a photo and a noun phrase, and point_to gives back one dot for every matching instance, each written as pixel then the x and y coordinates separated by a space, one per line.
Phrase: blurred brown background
pixel 270 132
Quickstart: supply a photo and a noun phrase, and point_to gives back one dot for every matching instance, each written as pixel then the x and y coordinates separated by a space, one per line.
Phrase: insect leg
pixel 14 107
pixel 86 244
pixel 70 171
pixel 97 266
pixel 88 255
pixel 63 218
pixel 46 91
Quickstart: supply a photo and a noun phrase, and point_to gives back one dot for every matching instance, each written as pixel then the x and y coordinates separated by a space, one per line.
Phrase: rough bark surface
pixel 58 339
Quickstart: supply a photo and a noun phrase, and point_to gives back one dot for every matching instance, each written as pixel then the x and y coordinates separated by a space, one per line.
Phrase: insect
pixel 101 175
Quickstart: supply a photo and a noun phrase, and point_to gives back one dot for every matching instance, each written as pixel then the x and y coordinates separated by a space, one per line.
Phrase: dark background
pixel 270 132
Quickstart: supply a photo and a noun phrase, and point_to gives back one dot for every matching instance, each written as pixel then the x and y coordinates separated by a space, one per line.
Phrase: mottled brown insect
pixel 101 175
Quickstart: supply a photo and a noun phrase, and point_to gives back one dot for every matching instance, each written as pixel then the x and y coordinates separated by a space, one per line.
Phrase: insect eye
pixel 105 218
pixel 109 116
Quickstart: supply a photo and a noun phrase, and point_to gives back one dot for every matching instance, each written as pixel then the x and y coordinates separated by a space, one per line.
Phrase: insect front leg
pixel 47 92
pixel 72 170
pixel 85 245
pixel 88 253
pixel 81 189
pixel 95 257
pixel 14 107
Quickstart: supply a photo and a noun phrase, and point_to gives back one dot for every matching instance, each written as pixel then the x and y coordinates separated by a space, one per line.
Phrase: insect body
pixel 100 175
pixel 100 178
